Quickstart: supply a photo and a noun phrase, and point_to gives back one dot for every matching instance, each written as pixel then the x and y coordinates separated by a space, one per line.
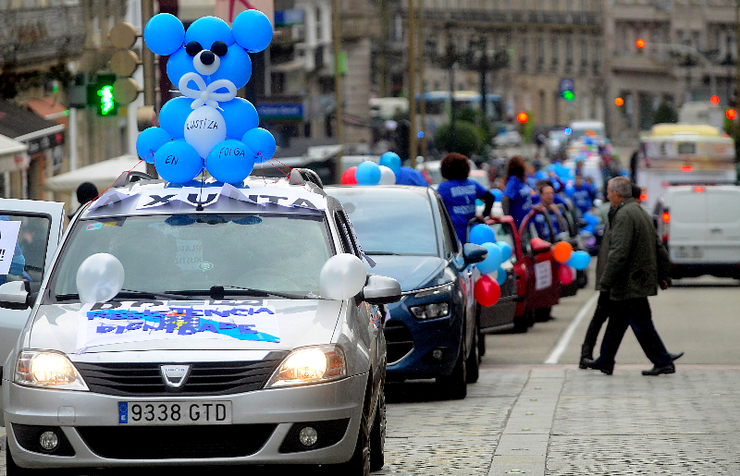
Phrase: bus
pixel 682 153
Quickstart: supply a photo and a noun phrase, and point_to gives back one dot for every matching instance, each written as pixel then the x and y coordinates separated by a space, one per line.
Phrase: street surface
pixel 528 417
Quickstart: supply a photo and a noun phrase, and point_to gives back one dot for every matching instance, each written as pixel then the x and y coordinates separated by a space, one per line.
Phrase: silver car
pixel 189 325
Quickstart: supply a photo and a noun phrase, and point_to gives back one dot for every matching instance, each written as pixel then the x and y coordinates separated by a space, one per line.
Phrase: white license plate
pixel 174 413
pixel 692 253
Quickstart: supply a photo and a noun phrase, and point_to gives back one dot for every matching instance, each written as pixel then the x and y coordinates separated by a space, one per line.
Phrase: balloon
pixel 501 276
pixel 99 278
pixel 164 34
pixel 392 161
pixel 230 161
pixel 240 116
pixel 177 162
pixel 562 251
pixel 492 261
pixel 173 114
pixel 204 128
pixel 480 234
pixel 261 142
pixel 387 177
pixel 367 173
pixel 348 177
pixel 342 276
pixel 565 273
pixel 497 194
pixel 579 260
pixel 487 291
pixel 207 31
pixel 420 134
pixel 252 30
pixel 505 250
pixel 149 142
pixel 236 66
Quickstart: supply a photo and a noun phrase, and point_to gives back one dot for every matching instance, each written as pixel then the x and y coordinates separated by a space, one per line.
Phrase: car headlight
pixel 434 291
pixel 430 311
pixel 47 370
pixel 308 365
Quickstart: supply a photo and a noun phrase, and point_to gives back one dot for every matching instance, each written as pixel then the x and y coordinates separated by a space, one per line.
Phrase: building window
pixel 568 54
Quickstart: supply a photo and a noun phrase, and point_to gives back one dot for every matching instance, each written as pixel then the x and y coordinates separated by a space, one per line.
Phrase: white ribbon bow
pixel 206 95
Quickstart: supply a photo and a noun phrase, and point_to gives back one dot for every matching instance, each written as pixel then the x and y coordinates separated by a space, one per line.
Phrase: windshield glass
pixel 171 253
pixel 392 223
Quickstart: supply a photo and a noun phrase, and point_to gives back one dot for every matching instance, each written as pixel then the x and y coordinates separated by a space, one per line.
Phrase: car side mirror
pixel 14 295
pixel 380 290
pixel 473 253
pixel 538 245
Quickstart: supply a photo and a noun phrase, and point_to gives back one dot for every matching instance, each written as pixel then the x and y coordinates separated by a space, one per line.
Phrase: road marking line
pixel 565 339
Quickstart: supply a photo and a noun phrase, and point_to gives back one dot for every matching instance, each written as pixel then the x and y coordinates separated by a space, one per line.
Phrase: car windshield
pixel 391 223
pixel 179 253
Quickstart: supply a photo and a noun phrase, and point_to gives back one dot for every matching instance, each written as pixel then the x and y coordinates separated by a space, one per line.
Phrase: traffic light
pixel 522 117
pixel 714 100
pixel 124 62
pixel 567 89
pixel 100 95
pixel 619 102
pixel 640 44
pixel 731 114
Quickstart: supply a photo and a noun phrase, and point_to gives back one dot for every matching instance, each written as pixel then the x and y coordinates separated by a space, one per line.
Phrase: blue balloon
pixel 497 194
pixel 252 30
pixel 177 65
pixel 579 260
pixel 392 161
pixel 367 173
pixel 501 276
pixel 505 250
pixel 240 116
pixel 178 162
pixel 262 143
pixel 149 142
pixel 208 30
pixel 492 261
pixel 480 234
pixel 173 114
pixel 420 134
pixel 164 34
pixel 236 66
pixel 230 161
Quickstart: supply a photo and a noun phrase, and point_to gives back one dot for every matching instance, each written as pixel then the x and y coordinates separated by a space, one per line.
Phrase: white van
pixel 700 226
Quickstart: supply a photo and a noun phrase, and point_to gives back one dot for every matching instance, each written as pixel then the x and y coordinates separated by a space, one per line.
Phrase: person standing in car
pixel 517 198
pixel 636 265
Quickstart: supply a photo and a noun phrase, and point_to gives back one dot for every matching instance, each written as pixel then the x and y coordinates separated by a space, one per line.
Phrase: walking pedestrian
pixel 603 305
pixel 636 265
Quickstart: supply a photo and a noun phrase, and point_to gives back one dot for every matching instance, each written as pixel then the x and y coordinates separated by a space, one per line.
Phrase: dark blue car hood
pixel 413 272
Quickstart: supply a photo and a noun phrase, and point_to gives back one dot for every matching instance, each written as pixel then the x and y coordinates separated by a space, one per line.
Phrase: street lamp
pixel 451 60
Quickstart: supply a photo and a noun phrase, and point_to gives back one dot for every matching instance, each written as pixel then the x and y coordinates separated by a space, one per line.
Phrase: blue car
pixel 432 332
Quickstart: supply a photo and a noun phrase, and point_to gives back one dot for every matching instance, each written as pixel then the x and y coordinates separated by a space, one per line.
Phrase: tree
pixel 665 114
pixel 469 138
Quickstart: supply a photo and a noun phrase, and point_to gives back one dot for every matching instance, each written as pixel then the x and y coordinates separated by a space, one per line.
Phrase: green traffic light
pixel 107 101
pixel 569 95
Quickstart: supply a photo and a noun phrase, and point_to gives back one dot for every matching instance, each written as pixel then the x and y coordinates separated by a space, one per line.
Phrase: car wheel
pixel 542 314
pixel 455 385
pixel 521 323
pixel 473 363
pixel 377 435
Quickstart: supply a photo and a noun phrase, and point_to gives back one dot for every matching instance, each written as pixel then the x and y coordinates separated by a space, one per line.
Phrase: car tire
pixel 473 363
pixel 521 323
pixel 359 464
pixel 542 314
pixel 378 433
pixel 455 385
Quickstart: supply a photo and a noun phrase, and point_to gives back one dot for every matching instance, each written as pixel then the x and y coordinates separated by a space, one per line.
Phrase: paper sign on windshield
pixel 8 239
pixel 137 321
pixel 542 275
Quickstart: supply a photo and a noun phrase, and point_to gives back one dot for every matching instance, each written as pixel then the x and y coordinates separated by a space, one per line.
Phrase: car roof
pixel 254 195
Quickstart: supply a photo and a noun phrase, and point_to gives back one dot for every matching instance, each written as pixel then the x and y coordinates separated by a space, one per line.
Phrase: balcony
pixel 37 35
pixel 356 27
pixel 584 19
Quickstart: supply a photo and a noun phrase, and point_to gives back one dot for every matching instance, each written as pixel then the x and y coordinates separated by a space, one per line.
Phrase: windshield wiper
pixel 385 253
pixel 128 294
pixel 220 292
pixel 67 297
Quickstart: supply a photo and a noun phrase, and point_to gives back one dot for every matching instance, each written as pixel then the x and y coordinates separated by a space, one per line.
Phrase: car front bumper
pixel 276 414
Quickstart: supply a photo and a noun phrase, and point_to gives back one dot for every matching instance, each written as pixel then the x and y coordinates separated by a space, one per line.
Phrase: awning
pixel 50 109
pixel 22 125
pixel 102 174
pixel 12 155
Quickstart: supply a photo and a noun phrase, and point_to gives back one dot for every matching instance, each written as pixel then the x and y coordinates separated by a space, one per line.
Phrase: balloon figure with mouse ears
pixel 208 127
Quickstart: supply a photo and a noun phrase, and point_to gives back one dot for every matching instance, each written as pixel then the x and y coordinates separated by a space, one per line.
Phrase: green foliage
pixel 665 114
pixel 732 128
pixel 468 138
pixel 476 117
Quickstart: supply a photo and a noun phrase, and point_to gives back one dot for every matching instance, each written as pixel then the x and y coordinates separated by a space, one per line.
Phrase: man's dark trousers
pixel 603 307
pixel 634 313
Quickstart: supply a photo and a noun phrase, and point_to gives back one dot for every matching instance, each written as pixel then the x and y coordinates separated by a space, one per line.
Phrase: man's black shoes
pixel 675 356
pixel 668 369
pixel 593 364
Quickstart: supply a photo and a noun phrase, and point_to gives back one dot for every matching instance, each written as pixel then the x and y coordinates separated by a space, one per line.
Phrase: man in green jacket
pixel 636 265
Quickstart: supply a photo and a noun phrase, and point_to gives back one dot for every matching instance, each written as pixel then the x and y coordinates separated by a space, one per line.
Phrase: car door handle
pixel 716 230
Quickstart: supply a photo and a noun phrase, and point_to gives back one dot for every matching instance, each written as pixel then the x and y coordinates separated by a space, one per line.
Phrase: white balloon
pixel 204 128
pixel 342 277
pixel 99 278
pixel 387 177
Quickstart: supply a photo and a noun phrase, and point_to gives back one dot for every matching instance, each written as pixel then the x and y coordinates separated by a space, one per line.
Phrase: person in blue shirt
pixel 581 193
pixel 459 193
pixel 547 202
pixel 517 198
pixel 410 176
pixel 18 263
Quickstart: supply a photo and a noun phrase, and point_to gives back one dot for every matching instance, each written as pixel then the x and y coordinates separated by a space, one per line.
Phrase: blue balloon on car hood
pixel 412 272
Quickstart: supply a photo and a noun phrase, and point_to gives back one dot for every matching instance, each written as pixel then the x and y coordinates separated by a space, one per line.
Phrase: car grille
pixel 398 339
pixel 206 378
pixel 169 442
